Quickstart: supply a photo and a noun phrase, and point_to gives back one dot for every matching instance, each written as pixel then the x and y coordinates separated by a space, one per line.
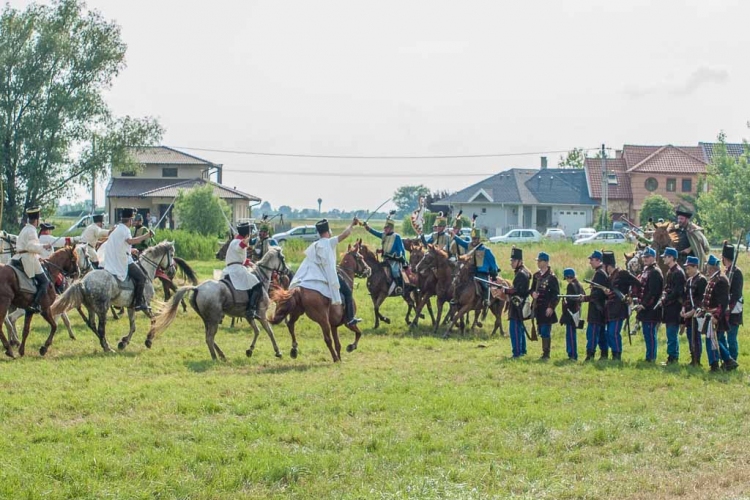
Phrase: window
pixel 127 174
pixel 671 185
pixel 687 185
pixel 169 172
pixel 484 210
pixel 652 184
pixel 612 179
pixel 527 234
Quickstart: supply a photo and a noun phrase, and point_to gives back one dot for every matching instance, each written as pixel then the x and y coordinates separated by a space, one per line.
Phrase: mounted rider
pixel 485 266
pixel 119 257
pixel 92 235
pixel 28 252
pixel 239 270
pixel 263 241
pixel 46 238
pixel 393 251
pixel 454 249
pixel 690 238
pixel 140 230
pixel 439 237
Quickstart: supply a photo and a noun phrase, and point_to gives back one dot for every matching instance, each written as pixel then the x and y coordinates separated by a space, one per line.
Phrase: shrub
pixel 189 245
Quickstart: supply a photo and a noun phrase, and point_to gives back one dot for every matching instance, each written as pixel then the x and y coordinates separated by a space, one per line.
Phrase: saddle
pixel 238 296
pixel 25 283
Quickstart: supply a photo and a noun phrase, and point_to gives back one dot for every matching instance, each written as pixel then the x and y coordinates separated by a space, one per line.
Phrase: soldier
pixel 261 242
pixel 237 269
pixel 92 235
pixel 439 237
pixel 485 266
pixel 620 283
pixel 672 300
pixel 695 287
pixel 46 238
pixel 393 250
pixel 28 251
pixel 651 286
pixel 518 294
pixel 690 238
pixel 571 312
pixel 714 311
pixel 140 230
pixel 596 333
pixel 735 299
pixel 454 249
pixel 546 290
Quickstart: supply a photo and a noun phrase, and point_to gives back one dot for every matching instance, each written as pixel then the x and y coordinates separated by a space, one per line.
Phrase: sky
pixel 425 78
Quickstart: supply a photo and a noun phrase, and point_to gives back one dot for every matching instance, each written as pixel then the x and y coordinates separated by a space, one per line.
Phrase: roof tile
pixel 617 166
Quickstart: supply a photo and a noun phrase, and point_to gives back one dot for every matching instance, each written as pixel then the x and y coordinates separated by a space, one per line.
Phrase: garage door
pixel 571 220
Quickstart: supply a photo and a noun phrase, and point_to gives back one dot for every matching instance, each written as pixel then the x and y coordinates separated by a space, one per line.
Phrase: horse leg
pixel 66 320
pixel 214 329
pixel 429 310
pixel 293 317
pixel 10 321
pixel 256 332
pixel 326 327
pixel 126 339
pixel 4 306
pixel 115 316
pixel 53 328
pixel 336 341
pixel 102 331
pixel 26 328
pixel 380 301
pixel 418 310
pixel 357 335
pixel 436 324
pixel 269 331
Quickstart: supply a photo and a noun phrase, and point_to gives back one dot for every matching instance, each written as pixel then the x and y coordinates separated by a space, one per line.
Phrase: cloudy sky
pixel 425 78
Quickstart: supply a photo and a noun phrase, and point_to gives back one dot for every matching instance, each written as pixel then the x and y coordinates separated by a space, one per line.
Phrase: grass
pixel 408 415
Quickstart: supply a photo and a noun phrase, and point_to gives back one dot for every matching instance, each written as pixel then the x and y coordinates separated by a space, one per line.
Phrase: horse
pixel 378 284
pixel 62 261
pixel 291 304
pixel 99 290
pixel 7 246
pixel 213 299
pixel 167 278
pixel 435 272
pixel 416 254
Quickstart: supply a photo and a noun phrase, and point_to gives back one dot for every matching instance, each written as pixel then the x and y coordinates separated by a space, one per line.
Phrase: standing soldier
pixel 393 250
pixel 91 236
pixel 734 274
pixel 439 237
pixel 714 310
pixel 141 230
pixel 596 333
pixel 620 283
pixel 546 290
pixel 671 302
pixel 261 242
pixel 695 287
pixel 571 313
pixel 651 285
pixel 518 294
pixel 28 252
pixel 239 274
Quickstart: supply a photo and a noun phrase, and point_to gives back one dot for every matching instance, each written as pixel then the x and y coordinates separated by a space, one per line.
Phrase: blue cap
pixel 692 261
pixel 669 251
pixel 569 272
pixel 649 252
pixel 543 256
pixel 712 260
pixel 596 254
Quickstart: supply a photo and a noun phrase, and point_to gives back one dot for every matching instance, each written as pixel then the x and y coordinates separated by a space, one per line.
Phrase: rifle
pixel 579 296
pixel 730 274
pixel 533 316
pixel 491 283
pixel 620 296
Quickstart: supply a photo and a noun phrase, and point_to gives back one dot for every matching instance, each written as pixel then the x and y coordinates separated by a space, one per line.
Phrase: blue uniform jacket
pixel 488 264
pixel 396 250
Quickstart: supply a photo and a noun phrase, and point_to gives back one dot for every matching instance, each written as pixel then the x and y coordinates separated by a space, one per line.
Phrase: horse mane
pixel 164 246
pixel 268 254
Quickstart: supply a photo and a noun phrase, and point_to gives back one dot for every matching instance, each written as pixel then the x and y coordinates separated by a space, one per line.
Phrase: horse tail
pixel 185 268
pixel 167 315
pixel 286 302
pixel 72 298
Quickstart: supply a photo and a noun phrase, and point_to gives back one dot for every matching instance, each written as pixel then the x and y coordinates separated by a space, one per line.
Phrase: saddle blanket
pixel 25 283
pixel 238 296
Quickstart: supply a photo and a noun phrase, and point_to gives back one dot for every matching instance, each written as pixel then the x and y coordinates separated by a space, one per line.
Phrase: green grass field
pixel 408 415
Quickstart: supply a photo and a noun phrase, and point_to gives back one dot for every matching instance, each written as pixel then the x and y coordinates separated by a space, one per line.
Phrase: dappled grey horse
pixel 99 290
pixel 212 300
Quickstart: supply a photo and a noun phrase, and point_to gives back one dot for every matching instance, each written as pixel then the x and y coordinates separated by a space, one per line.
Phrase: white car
pixel 583 232
pixel 518 236
pixel 604 238
pixel 554 233
pixel 304 233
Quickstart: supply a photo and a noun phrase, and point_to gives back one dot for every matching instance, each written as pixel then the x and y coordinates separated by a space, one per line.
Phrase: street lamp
pixel 320 201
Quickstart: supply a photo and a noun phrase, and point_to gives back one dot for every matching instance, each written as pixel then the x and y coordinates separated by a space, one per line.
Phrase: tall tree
pixel 56 131
pixel 406 198
pixel 200 210
pixel 725 208
pixel 574 159
pixel 656 207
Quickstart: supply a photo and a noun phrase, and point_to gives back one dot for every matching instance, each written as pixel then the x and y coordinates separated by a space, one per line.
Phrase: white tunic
pixel 242 278
pixel 318 270
pixel 90 237
pixel 117 252
pixel 28 243
pixel 48 239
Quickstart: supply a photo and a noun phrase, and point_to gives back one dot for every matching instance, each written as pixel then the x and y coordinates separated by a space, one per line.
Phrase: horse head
pixel 160 256
pixel 65 260
pixel 354 260
pixel 273 260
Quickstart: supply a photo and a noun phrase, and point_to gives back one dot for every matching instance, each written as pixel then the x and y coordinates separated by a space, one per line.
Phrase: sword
pixel 491 283
pixel 375 211
pixel 75 224
pixel 165 215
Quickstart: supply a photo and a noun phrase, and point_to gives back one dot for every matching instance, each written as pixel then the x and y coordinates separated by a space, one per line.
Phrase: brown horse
pixel 416 254
pixel 62 263
pixel 378 284
pixel 435 272
pixel 292 304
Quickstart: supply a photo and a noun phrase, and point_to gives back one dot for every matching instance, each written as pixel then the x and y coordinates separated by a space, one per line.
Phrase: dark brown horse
pixel 291 304
pixel 435 273
pixel 167 278
pixel 378 284
pixel 62 263
pixel 416 254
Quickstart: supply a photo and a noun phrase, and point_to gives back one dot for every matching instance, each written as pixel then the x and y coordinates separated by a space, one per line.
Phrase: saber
pixel 75 224
pixel 579 296
pixel 375 211
pixel 165 215
pixel 231 227
pixel 491 283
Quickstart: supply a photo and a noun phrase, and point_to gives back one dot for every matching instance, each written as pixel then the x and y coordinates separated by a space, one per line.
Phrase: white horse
pixel 7 246
pixel 99 290
pixel 212 300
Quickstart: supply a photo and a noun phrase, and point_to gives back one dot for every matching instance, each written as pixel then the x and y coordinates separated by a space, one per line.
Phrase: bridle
pixel 361 269
pixel 267 271
pixel 157 265
pixel 66 274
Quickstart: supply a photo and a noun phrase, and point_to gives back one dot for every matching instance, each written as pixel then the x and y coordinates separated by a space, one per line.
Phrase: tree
pixel 725 208
pixel 56 131
pixel 574 159
pixel 435 196
pixel 656 207
pixel 200 211
pixel 406 198
pixel 266 208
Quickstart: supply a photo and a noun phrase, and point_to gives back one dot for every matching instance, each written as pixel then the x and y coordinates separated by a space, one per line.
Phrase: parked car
pixel 518 236
pixel 603 237
pixel 583 232
pixel 465 232
pixel 303 233
pixel 554 233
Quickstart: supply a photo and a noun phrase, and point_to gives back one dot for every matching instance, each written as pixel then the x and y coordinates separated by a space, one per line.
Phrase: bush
pixel 200 210
pixel 656 207
pixel 189 245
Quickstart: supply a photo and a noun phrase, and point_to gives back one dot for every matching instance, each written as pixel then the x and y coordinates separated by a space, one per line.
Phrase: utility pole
pixel 93 176
pixel 605 189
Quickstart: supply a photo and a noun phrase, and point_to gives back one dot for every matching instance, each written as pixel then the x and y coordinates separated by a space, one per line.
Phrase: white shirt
pixel 48 239
pixel 28 242
pixel 92 234
pixel 242 278
pixel 118 255
pixel 318 270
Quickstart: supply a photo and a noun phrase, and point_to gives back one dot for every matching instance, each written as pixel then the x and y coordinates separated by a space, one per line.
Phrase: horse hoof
pixel 10 354
pixel 122 345
pixel 148 343
pixel 293 353
pixel 43 350
pixel 278 355
pixel 249 353
pixel 421 316
pixel 387 321
pixel 73 337
pixel 350 347
pixel 21 351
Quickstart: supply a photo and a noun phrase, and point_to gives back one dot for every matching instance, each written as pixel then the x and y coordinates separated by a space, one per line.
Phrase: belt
pixel 235 264
pixel 22 251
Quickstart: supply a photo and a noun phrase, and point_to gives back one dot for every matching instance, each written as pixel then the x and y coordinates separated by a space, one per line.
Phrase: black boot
pixel 546 344
pixel 41 290
pixel 715 366
pixel 140 304
pixel 616 356
pixel 604 355
pixel 730 365
pixel 349 310
pixel 589 355
pixel 253 298
pixel 695 359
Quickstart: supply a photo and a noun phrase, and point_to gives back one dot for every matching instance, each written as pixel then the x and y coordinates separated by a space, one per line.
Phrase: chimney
pixel 544 162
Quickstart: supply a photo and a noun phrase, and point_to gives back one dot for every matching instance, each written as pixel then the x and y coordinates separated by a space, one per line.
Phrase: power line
pixel 361 174
pixel 382 157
